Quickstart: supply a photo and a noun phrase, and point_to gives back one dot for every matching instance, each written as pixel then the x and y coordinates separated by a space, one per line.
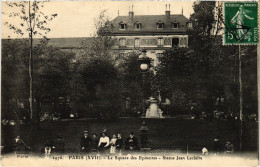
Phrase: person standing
pixel 85 142
pixel 131 142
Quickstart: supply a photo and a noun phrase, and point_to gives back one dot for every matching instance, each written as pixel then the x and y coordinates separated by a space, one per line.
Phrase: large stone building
pixel 155 33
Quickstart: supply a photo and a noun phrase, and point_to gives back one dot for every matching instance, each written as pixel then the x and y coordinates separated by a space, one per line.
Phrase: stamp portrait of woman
pixel 238 20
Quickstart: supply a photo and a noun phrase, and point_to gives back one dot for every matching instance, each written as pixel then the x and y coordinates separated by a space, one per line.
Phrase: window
pixel 160 25
pixel 122 54
pixel 175 42
pixel 122 26
pixel 184 41
pixel 160 42
pixel 137 42
pixel 175 25
pixel 189 25
pixel 122 42
pixel 137 26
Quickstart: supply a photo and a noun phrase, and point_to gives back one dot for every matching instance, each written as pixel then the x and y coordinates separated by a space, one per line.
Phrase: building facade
pixel 155 33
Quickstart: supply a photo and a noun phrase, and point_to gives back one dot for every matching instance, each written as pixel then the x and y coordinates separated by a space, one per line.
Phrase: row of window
pixel 123 26
pixel 160 25
pixel 160 42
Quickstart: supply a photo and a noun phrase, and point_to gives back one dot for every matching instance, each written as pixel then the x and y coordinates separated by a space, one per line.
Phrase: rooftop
pixel 62 43
pixel 149 24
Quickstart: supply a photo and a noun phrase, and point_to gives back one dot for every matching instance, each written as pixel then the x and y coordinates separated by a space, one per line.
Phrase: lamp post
pixel 153 111
pixel 144 136
pixel 144 62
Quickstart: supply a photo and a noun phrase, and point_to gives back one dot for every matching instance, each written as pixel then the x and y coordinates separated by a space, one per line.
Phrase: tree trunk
pixel 31 64
pixel 240 98
pixel 31 76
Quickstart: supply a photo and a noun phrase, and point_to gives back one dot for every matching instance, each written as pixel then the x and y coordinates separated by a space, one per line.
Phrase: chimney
pixel 168 14
pixel 131 14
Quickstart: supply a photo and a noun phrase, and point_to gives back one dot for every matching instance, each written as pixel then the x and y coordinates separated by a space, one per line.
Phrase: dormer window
pixel 189 24
pixel 175 25
pixel 160 25
pixel 122 26
pixel 137 25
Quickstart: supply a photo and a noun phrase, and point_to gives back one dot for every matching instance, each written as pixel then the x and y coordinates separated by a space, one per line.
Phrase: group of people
pixel 218 148
pixel 87 144
pixel 105 145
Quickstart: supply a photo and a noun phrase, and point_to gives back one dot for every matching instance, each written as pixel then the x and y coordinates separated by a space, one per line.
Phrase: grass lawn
pixel 163 133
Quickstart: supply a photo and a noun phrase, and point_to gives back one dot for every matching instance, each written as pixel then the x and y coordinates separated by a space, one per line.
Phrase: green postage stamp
pixel 241 25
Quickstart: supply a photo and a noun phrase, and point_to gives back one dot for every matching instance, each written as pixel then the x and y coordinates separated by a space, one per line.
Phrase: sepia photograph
pixel 130 83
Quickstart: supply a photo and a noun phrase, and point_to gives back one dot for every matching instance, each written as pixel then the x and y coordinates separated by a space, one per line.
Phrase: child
pixel 113 145
pixel 205 151
pixel 47 148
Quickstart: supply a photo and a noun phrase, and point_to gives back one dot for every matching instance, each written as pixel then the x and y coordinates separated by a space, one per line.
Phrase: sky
pixel 76 18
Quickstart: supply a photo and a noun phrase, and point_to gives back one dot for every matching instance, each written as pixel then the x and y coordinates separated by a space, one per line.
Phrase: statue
pixel 153 111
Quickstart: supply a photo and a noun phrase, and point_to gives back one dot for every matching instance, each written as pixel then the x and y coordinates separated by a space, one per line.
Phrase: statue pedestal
pixel 153 111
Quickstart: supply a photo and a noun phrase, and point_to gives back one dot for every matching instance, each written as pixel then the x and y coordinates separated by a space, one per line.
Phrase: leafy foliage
pixel 132 84
pixel 207 18
pixel 207 70
pixel 52 77
pixel 31 18
pixel 96 83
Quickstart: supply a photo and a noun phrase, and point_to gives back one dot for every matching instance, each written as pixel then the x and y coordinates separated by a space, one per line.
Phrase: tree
pixel 96 85
pixel 32 22
pixel 101 80
pixel 207 18
pixel 207 70
pixel 175 76
pixel 53 74
pixel 224 66
pixel 14 85
pixel 101 43
pixel 132 81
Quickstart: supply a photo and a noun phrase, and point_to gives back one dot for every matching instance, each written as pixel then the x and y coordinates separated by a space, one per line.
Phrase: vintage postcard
pixel 129 83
